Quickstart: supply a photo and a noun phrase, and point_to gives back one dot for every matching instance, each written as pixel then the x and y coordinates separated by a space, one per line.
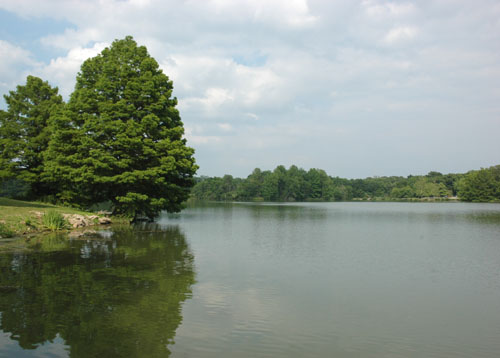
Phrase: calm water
pixel 261 280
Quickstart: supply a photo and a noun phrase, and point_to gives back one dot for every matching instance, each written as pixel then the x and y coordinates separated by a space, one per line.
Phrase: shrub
pixel 5 231
pixel 53 220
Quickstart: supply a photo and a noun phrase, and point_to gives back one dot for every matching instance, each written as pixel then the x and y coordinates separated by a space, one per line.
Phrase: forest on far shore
pixel 296 184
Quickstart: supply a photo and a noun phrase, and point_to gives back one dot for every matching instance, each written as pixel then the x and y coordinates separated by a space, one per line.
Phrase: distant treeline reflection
pixel 296 184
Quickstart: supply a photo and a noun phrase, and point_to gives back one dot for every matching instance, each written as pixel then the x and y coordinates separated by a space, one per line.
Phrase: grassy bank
pixel 21 217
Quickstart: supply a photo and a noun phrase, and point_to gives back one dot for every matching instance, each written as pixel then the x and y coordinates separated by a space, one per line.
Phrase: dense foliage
pixel 25 132
pixel 120 136
pixel 119 139
pixel 295 184
pixel 481 185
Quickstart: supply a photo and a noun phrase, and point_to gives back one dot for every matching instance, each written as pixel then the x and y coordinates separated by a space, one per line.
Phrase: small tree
pixel 120 138
pixel 25 132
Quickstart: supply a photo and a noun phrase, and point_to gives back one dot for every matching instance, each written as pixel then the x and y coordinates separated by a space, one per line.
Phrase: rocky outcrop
pixel 77 220
pixel 104 220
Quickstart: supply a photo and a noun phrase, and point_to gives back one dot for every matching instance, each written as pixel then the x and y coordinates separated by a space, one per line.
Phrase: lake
pixel 263 280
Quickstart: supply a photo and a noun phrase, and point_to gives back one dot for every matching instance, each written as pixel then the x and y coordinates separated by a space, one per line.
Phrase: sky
pixel 357 88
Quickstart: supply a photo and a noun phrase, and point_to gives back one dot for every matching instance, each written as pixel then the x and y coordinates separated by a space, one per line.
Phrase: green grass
pixel 5 231
pixel 23 204
pixel 21 217
pixel 54 221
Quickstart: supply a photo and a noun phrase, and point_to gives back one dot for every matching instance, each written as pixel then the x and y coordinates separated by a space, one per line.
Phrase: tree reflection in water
pixel 114 295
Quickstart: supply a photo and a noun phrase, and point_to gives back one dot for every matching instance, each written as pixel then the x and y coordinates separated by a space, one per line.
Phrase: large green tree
pixel 480 185
pixel 120 138
pixel 25 132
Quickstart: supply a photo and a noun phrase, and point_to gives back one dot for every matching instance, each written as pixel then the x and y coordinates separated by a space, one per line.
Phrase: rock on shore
pixel 77 220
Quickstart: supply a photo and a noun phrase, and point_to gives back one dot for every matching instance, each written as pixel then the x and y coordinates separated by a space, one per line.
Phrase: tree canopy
pixel 481 185
pixel 120 137
pixel 25 132
pixel 296 184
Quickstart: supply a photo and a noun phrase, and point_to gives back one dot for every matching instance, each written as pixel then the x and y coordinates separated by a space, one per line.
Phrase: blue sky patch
pixel 27 32
pixel 253 60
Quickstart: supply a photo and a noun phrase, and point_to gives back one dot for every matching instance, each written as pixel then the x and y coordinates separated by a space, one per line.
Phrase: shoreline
pixel 20 219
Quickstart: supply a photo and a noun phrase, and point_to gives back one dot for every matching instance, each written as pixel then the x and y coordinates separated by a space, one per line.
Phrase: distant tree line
pixel 296 184
pixel 480 185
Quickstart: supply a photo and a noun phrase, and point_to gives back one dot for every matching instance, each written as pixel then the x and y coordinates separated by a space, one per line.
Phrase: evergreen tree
pixel 120 138
pixel 25 132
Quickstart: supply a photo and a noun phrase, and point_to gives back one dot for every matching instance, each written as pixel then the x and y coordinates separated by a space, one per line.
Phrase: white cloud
pixel 13 63
pixel 253 116
pixel 212 100
pixel 54 9
pixel 384 10
pixel 226 127
pixel 401 33
pixel 215 85
pixel 71 39
pixel 11 54
pixel 293 13
pixel 62 70
pixel 194 138
pixel 285 80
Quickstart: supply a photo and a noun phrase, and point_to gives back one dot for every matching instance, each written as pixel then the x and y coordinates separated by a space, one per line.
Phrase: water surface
pixel 264 280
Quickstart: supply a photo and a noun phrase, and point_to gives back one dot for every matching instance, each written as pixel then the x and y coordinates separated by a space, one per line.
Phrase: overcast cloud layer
pixel 358 88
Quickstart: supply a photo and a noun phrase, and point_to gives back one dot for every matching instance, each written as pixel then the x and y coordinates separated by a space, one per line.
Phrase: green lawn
pixel 20 217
